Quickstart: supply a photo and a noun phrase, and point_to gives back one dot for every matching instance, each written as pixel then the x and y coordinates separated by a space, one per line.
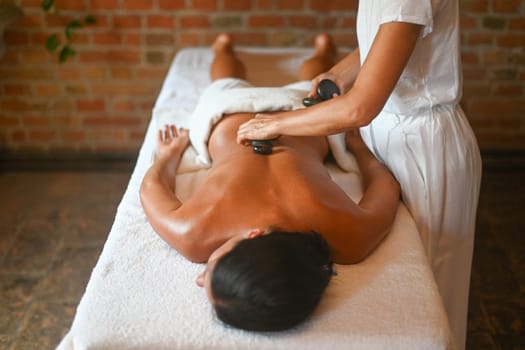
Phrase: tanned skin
pixel 246 193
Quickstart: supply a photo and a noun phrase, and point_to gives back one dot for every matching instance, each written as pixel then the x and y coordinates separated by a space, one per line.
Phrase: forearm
pixel 157 191
pixel 347 69
pixel 341 113
pixel 380 188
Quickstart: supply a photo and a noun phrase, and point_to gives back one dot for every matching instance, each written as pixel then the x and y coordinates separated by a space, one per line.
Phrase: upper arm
pixel 176 223
pixel 360 232
pixel 384 64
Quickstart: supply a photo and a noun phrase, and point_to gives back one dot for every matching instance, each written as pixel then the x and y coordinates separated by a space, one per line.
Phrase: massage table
pixel 142 293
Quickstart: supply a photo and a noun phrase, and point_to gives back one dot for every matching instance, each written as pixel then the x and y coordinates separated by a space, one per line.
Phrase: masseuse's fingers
pixel 258 128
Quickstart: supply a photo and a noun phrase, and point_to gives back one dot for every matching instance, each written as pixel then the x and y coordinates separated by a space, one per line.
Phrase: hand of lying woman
pixel 172 142
pixel 261 127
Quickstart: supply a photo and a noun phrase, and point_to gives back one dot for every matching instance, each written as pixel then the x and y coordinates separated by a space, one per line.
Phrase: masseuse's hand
pixel 261 127
pixel 328 75
pixel 172 142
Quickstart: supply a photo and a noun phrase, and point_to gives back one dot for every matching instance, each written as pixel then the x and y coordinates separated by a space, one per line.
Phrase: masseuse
pixel 402 86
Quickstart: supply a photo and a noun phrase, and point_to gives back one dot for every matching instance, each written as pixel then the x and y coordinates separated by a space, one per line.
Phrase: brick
pixel 187 39
pixel 14 89
pixel 264 4
pixel 498 107
pixel 18 135
pixel 189 21
pixel 511 40
pixel 307 22
pixel 16 38
pixel 334 5
pixel 56 21
pixel 14 106
pixel 70 73
pixel 113 121
pixel 155 57
pixel 127 21
pixel 27 74
pixel 41 135
pixel 172 4
pixel 517 23
pixel 70 5
pixel 475 6
pixel 29 21
pixel 9 121
pixel 506 6
pixel 160 21
pixel 250 38
pixel 259 21
pixel 509 123
pixel 121 73
pixel 467 22
pixel 291 4
pixel 138 4
pixel 94 72
pixel 223 22
pixel 107 38
pixel 205 5
pixel 480 38
pixel 159 39
pixel 35 121
pixel 33 4
pixel 469 58
pixel 133 39
pixel 91 105
pixel 73 135
pixel 48 90
pixel 103 4
pixel 123 106
pixel 237 5
pixel 110 89
pixel 113 56
pixel 494 23
pixel 151 73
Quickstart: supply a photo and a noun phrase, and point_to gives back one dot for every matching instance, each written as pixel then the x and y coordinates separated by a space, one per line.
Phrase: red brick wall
pixel 101 100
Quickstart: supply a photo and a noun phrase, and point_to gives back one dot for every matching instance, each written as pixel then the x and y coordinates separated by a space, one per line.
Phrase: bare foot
pixel 223 43
pixel 324 46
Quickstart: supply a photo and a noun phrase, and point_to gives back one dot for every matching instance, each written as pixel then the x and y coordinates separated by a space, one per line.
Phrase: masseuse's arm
pixel 388 56
pixel 157 191
pixel 377 207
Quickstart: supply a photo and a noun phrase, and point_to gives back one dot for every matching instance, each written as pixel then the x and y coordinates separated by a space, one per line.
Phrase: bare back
pixel 289 189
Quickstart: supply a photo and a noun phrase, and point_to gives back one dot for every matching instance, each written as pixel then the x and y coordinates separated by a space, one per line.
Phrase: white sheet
pixel 142 294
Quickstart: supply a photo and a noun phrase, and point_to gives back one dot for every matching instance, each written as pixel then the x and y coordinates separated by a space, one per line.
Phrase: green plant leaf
pixel 47 5
pixel 66 52
pixel 71 27
pixel 90 19
pixel 52 43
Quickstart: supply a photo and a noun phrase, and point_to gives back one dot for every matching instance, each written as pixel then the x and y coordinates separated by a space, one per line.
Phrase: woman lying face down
pixel 267 282
pixel 260 278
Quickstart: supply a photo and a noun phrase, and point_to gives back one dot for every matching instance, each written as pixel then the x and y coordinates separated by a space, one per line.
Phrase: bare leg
pixel 225 63
pixel 323 59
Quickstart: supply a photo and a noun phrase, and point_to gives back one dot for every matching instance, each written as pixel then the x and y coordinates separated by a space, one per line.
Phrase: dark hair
pixel 271 282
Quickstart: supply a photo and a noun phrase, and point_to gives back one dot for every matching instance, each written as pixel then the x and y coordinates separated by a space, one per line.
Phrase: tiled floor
pixel 53 225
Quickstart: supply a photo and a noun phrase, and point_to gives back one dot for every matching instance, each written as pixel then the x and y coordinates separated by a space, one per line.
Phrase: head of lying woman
pixel 268 282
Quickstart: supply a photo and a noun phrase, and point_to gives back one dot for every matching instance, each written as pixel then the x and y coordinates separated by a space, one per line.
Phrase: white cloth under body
pixel 231 95
pixel 142 293
pixel 425 139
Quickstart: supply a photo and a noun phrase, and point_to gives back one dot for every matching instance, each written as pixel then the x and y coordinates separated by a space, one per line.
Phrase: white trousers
pixel 435 158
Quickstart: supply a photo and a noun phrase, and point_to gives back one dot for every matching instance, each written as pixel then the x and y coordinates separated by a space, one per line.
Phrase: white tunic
pixel 424 138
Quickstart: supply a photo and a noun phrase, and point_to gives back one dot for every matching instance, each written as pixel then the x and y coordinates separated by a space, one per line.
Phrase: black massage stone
pixel 263 147
pixel 325 90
